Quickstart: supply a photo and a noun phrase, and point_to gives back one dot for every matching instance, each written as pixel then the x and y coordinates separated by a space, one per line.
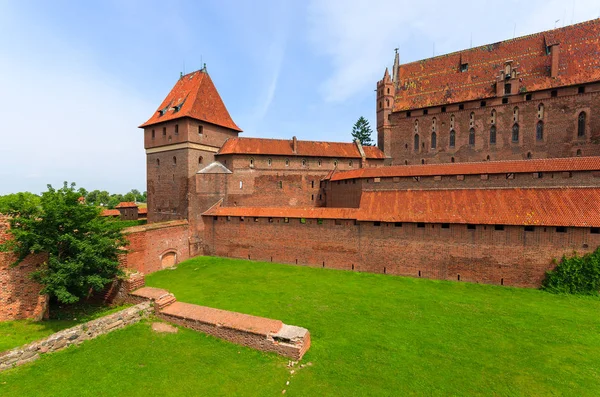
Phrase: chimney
pixel 294 145
pixel 363 156
pixel 554 51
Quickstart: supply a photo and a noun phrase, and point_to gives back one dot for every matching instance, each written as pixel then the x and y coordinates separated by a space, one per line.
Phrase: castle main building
pixel 487 168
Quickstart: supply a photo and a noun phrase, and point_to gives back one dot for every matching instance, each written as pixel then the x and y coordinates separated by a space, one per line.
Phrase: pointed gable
pixel 194 95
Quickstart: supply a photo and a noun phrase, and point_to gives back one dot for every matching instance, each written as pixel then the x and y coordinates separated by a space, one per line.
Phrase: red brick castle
pixel 487 168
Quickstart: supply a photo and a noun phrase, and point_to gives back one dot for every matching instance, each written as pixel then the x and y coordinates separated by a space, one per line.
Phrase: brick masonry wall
pixel 19 296
pixel 74 336
pixel 346 193
pixel 156 246
pixel 560 129
pixel 509 257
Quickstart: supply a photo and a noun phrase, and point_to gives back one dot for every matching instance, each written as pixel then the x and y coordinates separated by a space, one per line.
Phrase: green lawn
pixel 17 333
pixel 372 335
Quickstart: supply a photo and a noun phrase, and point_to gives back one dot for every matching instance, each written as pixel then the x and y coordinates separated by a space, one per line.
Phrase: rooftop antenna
pixel 434 48
pixel 515 30
pixel 555 22
pixel 471 42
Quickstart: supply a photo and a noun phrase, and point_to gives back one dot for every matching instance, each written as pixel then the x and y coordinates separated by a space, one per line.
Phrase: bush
pixel 575 275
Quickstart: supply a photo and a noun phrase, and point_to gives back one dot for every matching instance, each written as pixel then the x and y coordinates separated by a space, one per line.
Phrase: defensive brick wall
pixel 156 246
pixel 346 193
pixel 19 295
pixel 511 256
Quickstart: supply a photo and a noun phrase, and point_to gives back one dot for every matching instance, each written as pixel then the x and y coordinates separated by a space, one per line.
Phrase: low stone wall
pixel 74 336
pixel 251 331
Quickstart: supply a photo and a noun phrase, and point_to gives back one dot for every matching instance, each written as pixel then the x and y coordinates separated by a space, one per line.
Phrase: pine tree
pixel 362 131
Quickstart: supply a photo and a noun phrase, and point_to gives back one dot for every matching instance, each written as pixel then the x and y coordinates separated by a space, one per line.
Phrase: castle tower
pixel 180 138
pixel 385 105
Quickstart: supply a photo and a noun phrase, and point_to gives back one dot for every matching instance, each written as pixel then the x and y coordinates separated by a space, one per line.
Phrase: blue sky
pixel 78 77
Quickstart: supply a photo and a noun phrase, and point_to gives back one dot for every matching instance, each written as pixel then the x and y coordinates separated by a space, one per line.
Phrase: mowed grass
pixel 371 335
pixel 135 361
pixel 17 333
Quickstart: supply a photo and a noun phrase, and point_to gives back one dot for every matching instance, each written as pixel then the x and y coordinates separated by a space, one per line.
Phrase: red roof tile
pixel 194 95
pixel 486 167
pixel 142 210
pixel 110 213
pixel 579 207
pixel 126 204
pixel 284 147
pixel 285 212
pixel 534 206
pixel 438 80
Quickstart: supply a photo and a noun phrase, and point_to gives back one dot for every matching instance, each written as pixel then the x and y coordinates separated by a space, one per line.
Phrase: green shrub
pixel 575 275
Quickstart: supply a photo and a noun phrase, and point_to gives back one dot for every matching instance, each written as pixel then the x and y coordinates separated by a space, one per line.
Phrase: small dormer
pixel 507 81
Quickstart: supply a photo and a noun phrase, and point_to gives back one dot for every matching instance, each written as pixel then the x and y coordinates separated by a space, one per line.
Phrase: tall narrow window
pixel 433 140
pixel 539 131
pixel 452 138
pixel 416 142
pixel 164 131
pixel 153 134
pixel 472 137
pixel 176 129
pixel 515 133
pixel 493 134
pixel 581 124
pixel 269 162
pixel 493 119
pixel 200 160
pixel 200 130
pixel 174 160
pixel 541 111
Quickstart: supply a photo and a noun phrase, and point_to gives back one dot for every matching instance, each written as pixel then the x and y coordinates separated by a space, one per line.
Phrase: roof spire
pixel 396 69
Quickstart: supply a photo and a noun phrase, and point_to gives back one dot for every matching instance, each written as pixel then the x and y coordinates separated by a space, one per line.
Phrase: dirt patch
pixel 164 328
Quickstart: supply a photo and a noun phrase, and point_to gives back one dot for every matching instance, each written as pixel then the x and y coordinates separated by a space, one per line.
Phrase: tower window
pixel 554 93
pixel 350 163
pixel 452 138
pixel 581 90
pixel 539 131
pixel 164 131
pixel 200 130
pixel 200 160
pixel 528 97
pixel 416 143
pixel 504 100
pixel 507 88
pixel 433 140
pixel 461 106
pixel 408 114
pixel 157 161
pixel 174 160
pixel 251 162
pixel 483 104
pixel 287 162
pixel 493 134
pixel 153 134
pixel 425 111
pixel 176 129
pixel 319 162
pixel 304 162
pixel 464 67
pixel 269 162
pixel 472 137
pixel 515 133
pixel 581 124
pixel 443 109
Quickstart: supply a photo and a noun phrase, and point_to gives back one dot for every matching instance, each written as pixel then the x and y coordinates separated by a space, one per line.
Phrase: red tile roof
pixel 534 206
pixel 110 213
pixel 285 212
pixel 142 210
pixel 579 207
pixel 284 147
pixel 194 95
pixel 126 204
pixel 438 80
pixel 486 167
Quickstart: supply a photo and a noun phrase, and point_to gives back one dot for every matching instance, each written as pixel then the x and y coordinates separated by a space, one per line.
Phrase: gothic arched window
pixel 472 137
pixel 539 131
pixel 581 124
pixel 433 140
pixel 515 133
pixel 416 142
pixel 452 138
pixel 493 134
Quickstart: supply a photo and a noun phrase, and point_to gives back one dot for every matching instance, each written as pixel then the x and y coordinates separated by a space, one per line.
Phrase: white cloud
pixel 359 36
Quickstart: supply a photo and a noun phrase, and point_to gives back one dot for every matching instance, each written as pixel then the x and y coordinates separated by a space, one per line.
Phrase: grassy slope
pixel 17 333
pixel 372 335
pixel 138 362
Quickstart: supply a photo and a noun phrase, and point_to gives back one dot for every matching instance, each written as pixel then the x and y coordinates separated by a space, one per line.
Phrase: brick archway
pixel 168 259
